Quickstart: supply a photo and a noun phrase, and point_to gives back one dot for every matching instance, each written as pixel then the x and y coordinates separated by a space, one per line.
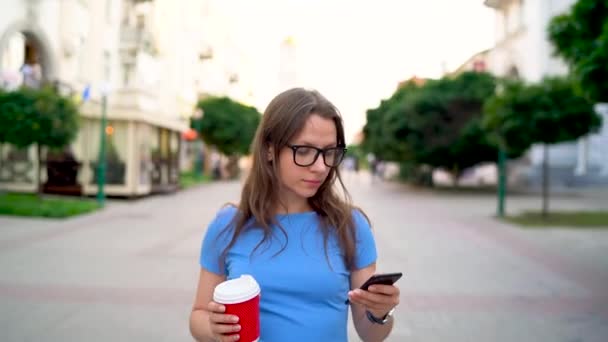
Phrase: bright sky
pixel 355 52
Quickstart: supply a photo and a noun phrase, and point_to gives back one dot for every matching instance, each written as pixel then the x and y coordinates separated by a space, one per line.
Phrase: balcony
pixel 138 99
pixel 136 39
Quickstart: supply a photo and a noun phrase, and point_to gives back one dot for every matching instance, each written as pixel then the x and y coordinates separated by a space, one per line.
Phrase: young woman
pixel 297 234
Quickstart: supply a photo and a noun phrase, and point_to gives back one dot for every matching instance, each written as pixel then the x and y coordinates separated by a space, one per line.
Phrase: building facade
pixel 145 57
pixel 522 50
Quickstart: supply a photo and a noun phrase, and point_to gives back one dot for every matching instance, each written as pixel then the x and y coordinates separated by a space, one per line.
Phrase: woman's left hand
pixel 378 299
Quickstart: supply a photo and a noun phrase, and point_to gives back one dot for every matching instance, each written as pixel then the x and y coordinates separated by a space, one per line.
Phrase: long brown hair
pixel 283 119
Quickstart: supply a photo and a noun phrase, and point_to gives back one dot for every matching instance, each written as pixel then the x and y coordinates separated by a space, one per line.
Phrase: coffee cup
pixel 241 297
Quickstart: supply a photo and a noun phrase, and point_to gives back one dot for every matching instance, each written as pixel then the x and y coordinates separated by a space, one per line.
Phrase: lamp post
pixel 502 180
pixel 101 164
pixel 501 166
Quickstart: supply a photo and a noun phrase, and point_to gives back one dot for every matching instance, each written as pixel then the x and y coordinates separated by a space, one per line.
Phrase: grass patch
pixel 190 179
pixel 577 219
pixel 33 206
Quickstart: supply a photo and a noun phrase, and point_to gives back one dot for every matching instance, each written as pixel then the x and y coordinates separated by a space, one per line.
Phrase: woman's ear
pixel 270 153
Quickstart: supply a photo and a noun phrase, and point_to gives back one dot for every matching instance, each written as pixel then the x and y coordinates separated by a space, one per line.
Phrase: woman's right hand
pixel 224 327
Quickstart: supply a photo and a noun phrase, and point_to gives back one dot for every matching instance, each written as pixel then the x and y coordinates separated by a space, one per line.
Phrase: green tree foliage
pixel 580 36
pixel 384 126
pixel 41 117
pixel 548 112
pixel 437 124
pixel 508 117
pixel 10 105
pixel 227 125
pixel 445 120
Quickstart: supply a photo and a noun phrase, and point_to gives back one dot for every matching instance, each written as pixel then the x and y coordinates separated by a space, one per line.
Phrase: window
pixel 108 11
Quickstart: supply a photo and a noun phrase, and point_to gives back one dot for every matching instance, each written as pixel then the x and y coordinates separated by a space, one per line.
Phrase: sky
pixel 355 52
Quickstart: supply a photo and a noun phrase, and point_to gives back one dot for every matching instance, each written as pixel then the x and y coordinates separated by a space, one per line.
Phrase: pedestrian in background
pixel 306 245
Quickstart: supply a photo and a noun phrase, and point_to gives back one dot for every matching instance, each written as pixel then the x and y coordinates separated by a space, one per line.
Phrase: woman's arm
pixel 378 301
pixel 199 318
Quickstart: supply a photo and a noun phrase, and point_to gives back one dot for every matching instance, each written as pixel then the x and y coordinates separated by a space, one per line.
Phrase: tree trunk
pixel 232 167
pixel 39 154
pixel 545 212
pixel 455 176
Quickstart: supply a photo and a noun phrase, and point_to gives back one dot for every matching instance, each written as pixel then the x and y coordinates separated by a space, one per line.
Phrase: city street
pixel 128 273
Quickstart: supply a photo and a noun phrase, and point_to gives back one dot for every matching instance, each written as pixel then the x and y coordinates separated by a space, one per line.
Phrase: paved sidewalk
pixel 128 273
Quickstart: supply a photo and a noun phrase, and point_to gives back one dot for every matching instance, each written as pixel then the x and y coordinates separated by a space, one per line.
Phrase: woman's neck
pixel 293 206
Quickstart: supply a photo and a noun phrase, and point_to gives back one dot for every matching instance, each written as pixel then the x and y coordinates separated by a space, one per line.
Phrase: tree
pixel 507 117
pixel 446 123
pixel 228 125
pixel 548 112
pixel 7 115
pixel 580 36
pixel 436 124
pixel 42 117
pixel 443 121
pixel 384 128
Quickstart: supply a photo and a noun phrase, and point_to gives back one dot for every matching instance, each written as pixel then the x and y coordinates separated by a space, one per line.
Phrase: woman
pixel 306 245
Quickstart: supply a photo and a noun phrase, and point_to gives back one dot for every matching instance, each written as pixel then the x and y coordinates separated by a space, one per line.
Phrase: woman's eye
pixel 303 151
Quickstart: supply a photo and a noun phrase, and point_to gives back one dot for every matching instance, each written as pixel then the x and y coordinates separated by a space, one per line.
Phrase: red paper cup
pixel 241 297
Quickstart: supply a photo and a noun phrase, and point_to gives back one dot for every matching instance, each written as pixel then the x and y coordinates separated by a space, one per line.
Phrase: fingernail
pixel 222 308
pixel 236 337
pixel 237 327
pixel 235 319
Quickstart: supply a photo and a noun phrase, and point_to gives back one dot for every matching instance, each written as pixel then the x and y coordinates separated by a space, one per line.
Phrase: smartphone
pixel 383 279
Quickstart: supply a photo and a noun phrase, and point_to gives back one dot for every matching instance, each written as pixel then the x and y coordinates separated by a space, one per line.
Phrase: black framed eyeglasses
pixel 305 155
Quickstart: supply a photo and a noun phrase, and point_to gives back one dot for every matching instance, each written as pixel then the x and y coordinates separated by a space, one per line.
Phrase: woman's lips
pixel 312 182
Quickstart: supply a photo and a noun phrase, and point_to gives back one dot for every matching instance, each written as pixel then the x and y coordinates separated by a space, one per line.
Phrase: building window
pixel 127 76
pixel 108 11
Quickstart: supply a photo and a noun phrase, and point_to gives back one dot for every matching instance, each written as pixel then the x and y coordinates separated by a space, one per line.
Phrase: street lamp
pixel 101 164
pixel 501 169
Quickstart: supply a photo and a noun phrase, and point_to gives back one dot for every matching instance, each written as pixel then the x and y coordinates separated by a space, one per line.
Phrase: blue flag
pixel 86 93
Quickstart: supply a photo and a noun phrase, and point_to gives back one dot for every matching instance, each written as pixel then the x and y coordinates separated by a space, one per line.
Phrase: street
pixel 128 272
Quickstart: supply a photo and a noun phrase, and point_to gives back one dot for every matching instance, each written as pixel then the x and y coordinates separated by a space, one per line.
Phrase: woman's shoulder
pixel 227 211
pixel 223 217
pixel 360 217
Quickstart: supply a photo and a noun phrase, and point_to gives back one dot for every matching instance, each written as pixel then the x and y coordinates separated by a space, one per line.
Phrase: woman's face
pixel 302 182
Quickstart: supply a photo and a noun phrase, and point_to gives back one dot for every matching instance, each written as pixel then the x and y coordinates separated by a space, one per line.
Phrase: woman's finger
pixel 379 299
pixel 388 290
pixel 369 304
pixel 215 307
pixel 227 338
pixel 225 328
pixel 223 318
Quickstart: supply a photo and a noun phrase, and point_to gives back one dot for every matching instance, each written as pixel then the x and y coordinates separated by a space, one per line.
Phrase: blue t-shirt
pixel 302 296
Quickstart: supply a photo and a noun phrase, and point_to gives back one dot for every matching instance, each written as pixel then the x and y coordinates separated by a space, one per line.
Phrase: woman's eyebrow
pixel 333 144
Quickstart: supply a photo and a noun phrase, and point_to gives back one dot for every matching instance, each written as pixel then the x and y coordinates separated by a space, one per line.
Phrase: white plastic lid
pixel 236 290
